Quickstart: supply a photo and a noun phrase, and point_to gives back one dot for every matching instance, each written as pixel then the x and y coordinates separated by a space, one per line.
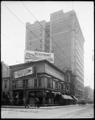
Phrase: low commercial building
pixel 40 79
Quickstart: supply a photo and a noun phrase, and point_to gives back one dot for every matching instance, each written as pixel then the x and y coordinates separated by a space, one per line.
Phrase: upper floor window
pixel 68 87
pixel 59 86
pixel 5 84
pixel 40 82
pixel 35 83
pixel 56 85
pixel 25 83
pixel 48 83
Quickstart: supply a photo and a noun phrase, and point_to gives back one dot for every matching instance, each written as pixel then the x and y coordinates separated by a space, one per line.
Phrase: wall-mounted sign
pixel 36 55
pixel 23 72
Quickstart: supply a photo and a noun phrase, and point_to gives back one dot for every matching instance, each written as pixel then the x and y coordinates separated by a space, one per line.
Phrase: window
pixel 59 86
pixel 35 83
pixel 5 84
pixel 48 83
pixel 53 84
pixel 68 88
pixel 39 82
pixel 68 77
pixel 63 86
pixel 25 83
pixel 56 85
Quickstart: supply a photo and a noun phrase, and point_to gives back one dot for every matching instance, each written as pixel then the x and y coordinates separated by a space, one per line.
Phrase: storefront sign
pixel 35 56
pixel 23 72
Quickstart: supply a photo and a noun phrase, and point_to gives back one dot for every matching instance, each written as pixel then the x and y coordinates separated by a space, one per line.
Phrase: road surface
pixel 70 111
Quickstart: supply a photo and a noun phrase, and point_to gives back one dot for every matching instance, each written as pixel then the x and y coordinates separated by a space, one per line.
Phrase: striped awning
pixel 67 97
pixel 75 98
pixel 56 93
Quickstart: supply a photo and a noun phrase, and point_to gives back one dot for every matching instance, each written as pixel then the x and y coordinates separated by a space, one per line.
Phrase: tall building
pixel 68 45
pixel 61 35
pixel 38 36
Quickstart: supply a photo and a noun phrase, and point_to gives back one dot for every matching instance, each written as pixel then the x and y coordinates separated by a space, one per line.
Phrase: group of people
pixel 37 103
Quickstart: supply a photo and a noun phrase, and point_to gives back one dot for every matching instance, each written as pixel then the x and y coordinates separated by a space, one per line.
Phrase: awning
pixel 75 98
pixel 57 93
pixel 67 97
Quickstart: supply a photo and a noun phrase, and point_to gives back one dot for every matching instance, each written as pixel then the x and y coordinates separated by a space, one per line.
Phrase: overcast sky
pixel 13 29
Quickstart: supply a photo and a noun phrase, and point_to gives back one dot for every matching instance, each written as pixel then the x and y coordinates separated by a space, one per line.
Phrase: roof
pixel 40 61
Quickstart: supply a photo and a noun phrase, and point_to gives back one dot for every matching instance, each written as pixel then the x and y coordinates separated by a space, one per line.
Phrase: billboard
pixel 36 55
pixel 23 72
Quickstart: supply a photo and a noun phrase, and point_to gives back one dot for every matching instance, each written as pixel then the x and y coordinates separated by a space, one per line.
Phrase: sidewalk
pixel 43 107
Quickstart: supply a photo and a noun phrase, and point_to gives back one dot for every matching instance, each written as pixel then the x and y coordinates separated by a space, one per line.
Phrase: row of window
pixel 41 82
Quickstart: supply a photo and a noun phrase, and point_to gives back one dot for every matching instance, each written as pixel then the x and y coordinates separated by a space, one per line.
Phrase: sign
pixel 23 72
pixel 36 55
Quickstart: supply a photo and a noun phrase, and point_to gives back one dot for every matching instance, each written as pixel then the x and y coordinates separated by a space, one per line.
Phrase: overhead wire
pixel 20 20
pixel 24 23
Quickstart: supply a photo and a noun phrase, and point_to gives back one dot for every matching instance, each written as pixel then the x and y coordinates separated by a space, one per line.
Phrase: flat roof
pixel 21 64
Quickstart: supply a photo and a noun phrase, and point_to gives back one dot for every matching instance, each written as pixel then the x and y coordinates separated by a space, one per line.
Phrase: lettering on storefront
pixel 23 72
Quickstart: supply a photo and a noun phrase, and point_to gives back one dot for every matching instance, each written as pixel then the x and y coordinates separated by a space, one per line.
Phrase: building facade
pixel 89 94
pixel 5 82
pixel 38 36
pixel 62 36
pixel 66 33
pixel 5 77
pixel 39 79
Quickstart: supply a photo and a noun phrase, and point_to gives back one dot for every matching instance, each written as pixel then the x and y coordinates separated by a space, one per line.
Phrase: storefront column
pixel 25 98
pixel 44 101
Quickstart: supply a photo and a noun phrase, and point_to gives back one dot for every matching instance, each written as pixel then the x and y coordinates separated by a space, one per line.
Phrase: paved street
pixel 71 111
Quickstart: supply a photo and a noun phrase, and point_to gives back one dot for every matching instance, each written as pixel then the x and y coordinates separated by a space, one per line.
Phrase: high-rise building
pixel 68 45
pixel 62 36
pixel 38 36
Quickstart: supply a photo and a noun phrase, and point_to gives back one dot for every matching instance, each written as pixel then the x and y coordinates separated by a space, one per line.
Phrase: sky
pixel 14 17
